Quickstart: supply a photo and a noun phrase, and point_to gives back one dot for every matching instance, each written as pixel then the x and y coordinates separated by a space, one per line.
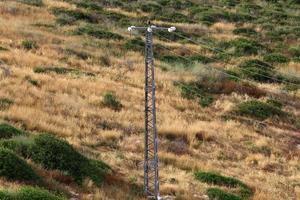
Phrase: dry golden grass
pixel 70 106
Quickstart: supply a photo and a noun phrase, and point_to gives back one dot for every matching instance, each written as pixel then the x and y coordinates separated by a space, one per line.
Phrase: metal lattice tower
pixel 151 178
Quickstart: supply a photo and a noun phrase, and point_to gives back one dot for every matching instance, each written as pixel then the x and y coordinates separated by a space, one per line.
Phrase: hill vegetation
pixel 71 99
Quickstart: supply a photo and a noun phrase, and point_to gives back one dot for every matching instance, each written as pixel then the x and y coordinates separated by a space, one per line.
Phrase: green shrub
pixel 259 110
pixel 275 58
pixel 61 70
pixel 136 44
pixel 212 178
pixel 32 2
pixel 53 153
pixel 295 52
pixel 20 145
pixel 29 193
pixel 90 5
pixel 14 168
pixel 175 17
pixel 58 70
pixel 275 103
pixel 244 46
pixel 5 103
pixel 216 179
pixel 206 101
pixel 245 31
pixel 150 7
pixel 265 150
pixel 34 193
pixel 110 100
pixel 257 70
pixel 8 131
pixel 80 54
pixel 3 48
pixel 29 44
pixel 218 194
pixel 74 14
pixel 97 33
pixel 188 61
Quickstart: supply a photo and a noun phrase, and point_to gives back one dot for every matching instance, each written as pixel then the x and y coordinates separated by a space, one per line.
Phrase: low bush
pixel 218 194
pixel 95 6
pixel 29 44
pixel 136 44
pixel 188 61
pixel 97 33
pixel 295 52
pixel 5 103
pixel 29 193
pixel 110 100
pixel 79 54
pixel 54 153
pixel 14 168
pixel 58 70
pixel 257 70
pixel 20 145
pixel 3 48
pixel 245 31
pixel 259 110
pixel 244 47
pixel 61 70
pixel 212 178
pixel 276 58
pixel 265 150
pixel 175 17
pixel 8 131
pixel 275 103
pixel 32 2
pixel 74 15
pixel 34 193
pixel 150 7
pixel 211 16
pixel 216 179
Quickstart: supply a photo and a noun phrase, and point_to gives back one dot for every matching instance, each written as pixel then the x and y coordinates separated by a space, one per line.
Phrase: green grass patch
pixel 276 58
pixel 216 179
pixel 110 100
pixel 66 16
pixel 243 47
pixel 54 153
pixel 257 70
pixel 218 194
pixel 29 193
pixel 97 33
pixel 259 110
pixel 212 178
pixel 7 131
pixel 5 103
pixel 29 44
pixel 245 31
pixel 3 48
pixel 38 3
pixel 16 169
pixel 21 145
pixel 79 54
pixel 135 44
pixel 61 70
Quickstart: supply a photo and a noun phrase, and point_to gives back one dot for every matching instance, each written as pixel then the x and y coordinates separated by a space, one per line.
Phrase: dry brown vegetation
pixel 191 137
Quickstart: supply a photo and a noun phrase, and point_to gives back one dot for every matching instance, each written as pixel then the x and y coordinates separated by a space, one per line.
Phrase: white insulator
pixel 149 29
pixel 172 29
pixel 129 29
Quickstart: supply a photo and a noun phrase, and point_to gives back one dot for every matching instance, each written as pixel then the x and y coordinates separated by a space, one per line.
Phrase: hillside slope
pixel 228 93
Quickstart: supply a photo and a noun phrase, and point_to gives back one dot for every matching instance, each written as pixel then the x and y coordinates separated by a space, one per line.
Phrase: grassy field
pixel 228 100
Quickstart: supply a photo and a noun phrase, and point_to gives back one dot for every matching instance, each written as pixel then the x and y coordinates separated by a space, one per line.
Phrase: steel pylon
pixel 151 177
